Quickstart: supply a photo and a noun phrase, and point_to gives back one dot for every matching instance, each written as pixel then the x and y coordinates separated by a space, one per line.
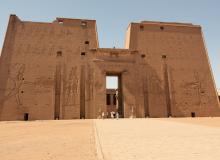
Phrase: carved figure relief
pixel 71 87
pixel 16 74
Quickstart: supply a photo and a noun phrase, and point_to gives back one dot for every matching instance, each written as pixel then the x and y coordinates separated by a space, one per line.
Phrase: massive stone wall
pixel 57 71
pixel 179 75
pixel 40 62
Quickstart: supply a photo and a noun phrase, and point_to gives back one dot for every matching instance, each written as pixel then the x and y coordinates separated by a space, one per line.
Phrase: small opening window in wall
pixel 164 56
pixel 141 27
pixel 86 42
pixel 83 53
pixel 59 54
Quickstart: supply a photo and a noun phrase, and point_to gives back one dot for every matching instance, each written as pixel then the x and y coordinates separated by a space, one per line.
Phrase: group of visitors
pixel 112 115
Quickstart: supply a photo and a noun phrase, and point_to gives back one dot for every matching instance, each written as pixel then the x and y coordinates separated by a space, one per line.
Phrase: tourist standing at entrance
pixel 112 115
pixel 103 115
pixel 117 115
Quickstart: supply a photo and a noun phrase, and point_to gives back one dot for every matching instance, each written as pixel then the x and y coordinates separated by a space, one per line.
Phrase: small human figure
pixel 132 111
pixel 112 115
pixel 117 115
pixel 103 115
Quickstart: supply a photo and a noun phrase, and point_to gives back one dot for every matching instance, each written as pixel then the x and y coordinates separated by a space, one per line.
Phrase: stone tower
pixel 178 74
pixel 41 68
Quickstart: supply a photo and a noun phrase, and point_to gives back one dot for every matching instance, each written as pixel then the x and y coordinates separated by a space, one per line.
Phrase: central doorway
pixel 114 101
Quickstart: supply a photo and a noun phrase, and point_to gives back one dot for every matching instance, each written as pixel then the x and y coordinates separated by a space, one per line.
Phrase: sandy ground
pixel 160 139
pixel 47 140
pixel 123 139
pixel 204 121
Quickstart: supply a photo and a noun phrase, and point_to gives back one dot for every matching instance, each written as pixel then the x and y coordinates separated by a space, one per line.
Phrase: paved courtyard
pixel 123 139
pixel 47 140
pixel 159 139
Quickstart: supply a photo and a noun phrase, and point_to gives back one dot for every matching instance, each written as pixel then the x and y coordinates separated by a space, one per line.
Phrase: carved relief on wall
pixel 71 87
pixel 196 87
pixel 16 74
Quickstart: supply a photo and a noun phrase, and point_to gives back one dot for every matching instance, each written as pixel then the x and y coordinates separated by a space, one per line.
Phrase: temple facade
pixel 57 71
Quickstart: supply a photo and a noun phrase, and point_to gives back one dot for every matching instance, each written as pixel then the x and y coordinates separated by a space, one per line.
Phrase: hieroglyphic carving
pixel 71 87
pixel 198 86
pixel 194 88
pixel 16 73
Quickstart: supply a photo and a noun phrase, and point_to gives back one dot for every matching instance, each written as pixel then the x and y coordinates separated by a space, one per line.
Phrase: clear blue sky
pixel 113 17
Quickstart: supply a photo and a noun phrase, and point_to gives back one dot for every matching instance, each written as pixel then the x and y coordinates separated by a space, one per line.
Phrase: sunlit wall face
pixel 112 82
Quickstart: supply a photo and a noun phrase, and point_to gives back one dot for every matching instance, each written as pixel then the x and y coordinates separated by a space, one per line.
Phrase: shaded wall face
pixel 179 77
pixel 34 56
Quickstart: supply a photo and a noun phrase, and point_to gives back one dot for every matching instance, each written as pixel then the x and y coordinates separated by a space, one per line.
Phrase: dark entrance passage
pixel 114 101
pixel 26 116
pixel 193 114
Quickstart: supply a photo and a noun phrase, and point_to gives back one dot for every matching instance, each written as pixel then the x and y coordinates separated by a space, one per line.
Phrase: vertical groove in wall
pixel 90 92
pixel 57 91
pixel 64 79
pixel 84 71
pixel 146 100
pixel 171 96
pixel 166 87
pixel 82 92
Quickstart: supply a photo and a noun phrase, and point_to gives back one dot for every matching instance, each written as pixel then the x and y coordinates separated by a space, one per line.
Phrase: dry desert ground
pixel 111 139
